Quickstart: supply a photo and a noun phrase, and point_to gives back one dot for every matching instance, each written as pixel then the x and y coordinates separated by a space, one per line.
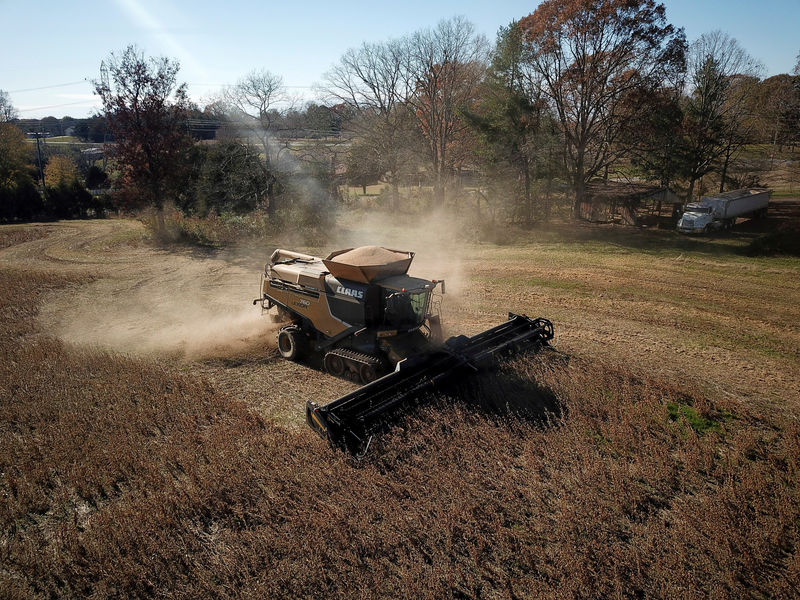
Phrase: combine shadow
pixel 508 396
pixel 505 394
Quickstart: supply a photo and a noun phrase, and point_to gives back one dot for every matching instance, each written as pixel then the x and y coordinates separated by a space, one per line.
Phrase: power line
pixel 303 87
pixel 47 87
pixel 52 106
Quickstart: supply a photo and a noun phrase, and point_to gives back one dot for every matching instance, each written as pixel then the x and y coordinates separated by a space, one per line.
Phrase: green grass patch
pixel 698 422
pixel 785 193
pixel 557 284
pixel 61 139
pixel 372 190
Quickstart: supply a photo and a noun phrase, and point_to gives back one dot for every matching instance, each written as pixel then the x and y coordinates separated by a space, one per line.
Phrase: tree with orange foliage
pixel 60 170
pixel 146 110
pixel 591 55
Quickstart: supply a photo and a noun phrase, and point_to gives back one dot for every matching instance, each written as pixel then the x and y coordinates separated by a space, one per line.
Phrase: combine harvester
pixel 373 323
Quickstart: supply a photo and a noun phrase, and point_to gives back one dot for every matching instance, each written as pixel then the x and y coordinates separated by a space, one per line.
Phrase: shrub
pixel 20 202
pixel 69 201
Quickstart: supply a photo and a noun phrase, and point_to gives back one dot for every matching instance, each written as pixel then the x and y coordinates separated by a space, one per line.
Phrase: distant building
pixel 92 154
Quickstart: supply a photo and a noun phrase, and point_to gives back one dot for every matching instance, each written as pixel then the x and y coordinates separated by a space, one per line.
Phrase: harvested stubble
pixel 123 478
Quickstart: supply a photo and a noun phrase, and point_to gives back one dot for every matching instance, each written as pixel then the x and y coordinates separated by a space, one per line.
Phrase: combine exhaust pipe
pixel 349 422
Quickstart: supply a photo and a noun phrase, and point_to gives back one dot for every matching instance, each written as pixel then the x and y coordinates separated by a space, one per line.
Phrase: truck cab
pixel 697 218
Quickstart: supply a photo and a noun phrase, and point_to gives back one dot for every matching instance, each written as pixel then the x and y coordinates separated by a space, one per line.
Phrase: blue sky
pixel 58 45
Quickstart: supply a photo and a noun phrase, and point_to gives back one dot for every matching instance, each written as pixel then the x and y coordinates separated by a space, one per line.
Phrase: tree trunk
pixel 438 164
pixel 271 185
pixel 580 185
pixel 395 195
pixel 161 226
pixel 724 170
pixel 438 191
pixel 271 208
pixel 528 201
pixel 580 194
pixel 690 192
pixel 158 204
pixel 547 190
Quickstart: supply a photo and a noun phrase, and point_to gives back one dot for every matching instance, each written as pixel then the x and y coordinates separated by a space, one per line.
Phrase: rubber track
pixel 357 357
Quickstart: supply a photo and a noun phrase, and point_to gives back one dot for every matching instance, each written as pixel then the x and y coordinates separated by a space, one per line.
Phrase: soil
pixel 782 213
pixel 189 308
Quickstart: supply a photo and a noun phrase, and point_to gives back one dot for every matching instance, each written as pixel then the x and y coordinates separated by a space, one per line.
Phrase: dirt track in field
pixel 718 322
pixel 192 309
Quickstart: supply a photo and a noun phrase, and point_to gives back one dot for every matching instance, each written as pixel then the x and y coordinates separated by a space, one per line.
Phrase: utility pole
pixel 38 135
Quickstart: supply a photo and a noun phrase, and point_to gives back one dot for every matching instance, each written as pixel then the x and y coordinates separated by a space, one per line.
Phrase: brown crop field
pixel 152 440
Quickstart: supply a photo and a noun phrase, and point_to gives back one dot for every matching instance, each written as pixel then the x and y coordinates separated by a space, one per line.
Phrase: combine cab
pixel 373 323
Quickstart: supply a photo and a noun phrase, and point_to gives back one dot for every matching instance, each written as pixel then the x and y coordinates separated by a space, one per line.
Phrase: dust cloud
pixel 189 306
pixel 173 305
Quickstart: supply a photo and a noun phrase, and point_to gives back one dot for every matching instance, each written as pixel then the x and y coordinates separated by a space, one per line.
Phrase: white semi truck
pixel 721 211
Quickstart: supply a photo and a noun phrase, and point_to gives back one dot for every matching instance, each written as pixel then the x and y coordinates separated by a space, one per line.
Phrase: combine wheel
pixel 290 340
pixel 334 364
pixel 549 333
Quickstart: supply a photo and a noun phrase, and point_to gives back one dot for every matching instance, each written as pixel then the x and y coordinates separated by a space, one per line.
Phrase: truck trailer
pixel 717 212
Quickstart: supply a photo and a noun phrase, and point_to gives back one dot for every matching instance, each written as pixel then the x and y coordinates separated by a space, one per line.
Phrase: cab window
pixel 406 310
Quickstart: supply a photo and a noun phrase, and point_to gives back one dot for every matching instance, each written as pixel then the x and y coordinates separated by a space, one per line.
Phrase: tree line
pixel 575 91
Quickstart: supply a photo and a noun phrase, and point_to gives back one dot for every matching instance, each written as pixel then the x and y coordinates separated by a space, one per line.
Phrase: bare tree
pixel 445 67
pixel 255 100
pixel 408 93
pixel 7 110
pixel 371 80
pixel 722 76
pixel 592 54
